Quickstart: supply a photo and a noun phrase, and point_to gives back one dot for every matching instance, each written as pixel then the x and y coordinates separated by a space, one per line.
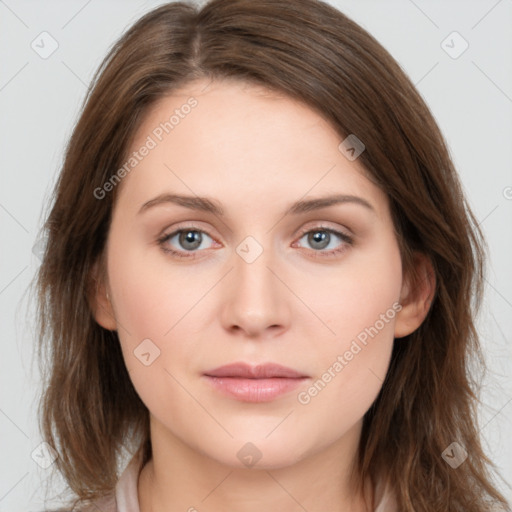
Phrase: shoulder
pixel 385 500
pixel 120 499
pixel 106 503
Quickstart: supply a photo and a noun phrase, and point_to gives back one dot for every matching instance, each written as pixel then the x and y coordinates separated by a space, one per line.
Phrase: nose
pixel 255 302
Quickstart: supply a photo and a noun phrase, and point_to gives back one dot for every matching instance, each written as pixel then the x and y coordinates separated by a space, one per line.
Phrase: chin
pixel 261 453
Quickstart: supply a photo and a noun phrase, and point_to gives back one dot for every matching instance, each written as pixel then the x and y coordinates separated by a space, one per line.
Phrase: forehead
pixel 207 114
pixel 232 137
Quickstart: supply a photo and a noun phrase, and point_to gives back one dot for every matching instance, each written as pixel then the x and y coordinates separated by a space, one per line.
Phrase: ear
pixel 416 296
pixel 99 300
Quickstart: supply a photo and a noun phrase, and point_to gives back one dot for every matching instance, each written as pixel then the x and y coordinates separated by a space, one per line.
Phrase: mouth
pixel 247 383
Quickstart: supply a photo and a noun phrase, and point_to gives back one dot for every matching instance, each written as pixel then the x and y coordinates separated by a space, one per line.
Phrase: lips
pixel 246 371
pixel 248 383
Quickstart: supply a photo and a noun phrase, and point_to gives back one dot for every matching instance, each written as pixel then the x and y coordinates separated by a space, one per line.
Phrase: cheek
pixel 150 313
pixel 157 308
pixel 359 305
pixel 353 296
pixel 151 295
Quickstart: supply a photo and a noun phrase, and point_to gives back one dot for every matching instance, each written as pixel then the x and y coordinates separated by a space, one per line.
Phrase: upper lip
pixel 263 371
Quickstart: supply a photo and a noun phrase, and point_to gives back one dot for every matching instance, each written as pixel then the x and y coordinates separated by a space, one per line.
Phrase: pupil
pixel 321 237
pixel 190 237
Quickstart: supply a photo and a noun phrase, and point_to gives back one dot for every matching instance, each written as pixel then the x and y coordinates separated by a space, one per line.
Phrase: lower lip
pixel 254 390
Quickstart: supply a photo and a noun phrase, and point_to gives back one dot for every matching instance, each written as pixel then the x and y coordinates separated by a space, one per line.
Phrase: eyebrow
pixel 206 204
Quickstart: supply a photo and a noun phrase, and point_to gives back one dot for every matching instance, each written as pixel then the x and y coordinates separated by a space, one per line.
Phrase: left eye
pixel 320 239
pixel 188 239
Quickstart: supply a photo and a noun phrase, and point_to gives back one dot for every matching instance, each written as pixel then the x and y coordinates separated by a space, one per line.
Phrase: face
pixel 312 288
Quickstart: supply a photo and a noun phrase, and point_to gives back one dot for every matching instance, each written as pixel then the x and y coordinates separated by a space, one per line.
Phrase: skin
pixel 256 153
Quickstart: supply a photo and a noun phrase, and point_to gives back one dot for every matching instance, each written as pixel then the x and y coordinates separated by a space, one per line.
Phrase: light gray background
pixel 470 96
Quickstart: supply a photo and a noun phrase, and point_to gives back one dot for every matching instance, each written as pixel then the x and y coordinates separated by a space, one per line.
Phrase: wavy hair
pixel 89 410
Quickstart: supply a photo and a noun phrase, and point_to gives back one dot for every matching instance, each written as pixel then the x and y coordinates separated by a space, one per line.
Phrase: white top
pixel 125 497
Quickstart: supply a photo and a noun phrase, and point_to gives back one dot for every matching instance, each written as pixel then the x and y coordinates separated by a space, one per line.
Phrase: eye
pixel 186 242
pixel 321 238
pixel 186 239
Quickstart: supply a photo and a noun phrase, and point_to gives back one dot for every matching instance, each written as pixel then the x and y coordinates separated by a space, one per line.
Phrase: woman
pixel 259 276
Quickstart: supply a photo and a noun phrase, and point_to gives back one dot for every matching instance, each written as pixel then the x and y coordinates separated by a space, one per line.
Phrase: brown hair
pixel 308 50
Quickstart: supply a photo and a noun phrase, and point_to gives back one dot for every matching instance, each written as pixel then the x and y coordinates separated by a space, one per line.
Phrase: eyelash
pixel 348 240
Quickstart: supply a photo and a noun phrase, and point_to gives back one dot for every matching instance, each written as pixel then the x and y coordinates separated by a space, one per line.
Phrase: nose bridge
pixel 255 299
pixel 252 262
